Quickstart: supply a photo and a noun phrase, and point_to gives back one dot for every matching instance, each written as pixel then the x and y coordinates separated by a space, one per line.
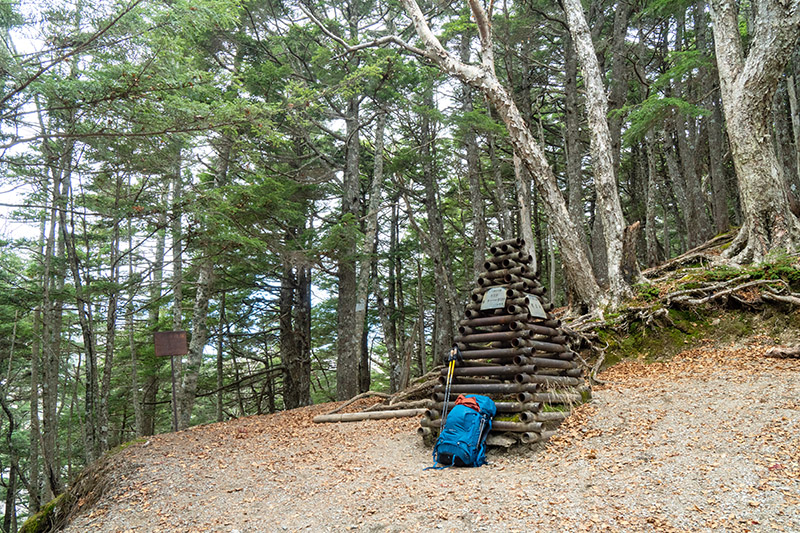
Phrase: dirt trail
pixel 707 442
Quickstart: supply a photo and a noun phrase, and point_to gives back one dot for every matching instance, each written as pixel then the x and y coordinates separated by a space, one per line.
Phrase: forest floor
pixel 707 441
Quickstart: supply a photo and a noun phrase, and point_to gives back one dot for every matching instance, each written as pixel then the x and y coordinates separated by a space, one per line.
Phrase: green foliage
pixel 656 110
pixel 646 291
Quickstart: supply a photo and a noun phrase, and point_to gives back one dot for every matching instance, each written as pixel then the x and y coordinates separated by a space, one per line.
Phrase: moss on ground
pixel 690 328
pixel 49 517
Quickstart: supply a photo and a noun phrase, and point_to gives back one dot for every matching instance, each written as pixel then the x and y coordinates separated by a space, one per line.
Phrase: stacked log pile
pixel 513 351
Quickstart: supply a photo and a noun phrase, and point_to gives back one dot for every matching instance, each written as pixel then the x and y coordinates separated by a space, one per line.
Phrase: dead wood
pixel 358 397
pixel 423 388
pixel 374 415
pixel 418 404
pixel 784 352
pixel 790 299
pixel 700 253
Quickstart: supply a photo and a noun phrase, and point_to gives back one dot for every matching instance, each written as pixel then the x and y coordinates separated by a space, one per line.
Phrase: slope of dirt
pixel 709 441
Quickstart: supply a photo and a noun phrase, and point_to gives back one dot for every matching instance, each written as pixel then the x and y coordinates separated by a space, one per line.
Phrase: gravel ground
pixel 709 441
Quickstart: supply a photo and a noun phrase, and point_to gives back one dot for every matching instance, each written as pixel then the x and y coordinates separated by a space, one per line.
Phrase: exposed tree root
pixel 784 352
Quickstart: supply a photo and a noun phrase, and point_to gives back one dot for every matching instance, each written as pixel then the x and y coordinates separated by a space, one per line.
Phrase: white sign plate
pixel 495 298
pixel 535 307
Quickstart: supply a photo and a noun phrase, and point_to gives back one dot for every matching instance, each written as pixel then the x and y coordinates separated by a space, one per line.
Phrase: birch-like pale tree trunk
pixel 607 208
pixel 577 268
pixel 748 83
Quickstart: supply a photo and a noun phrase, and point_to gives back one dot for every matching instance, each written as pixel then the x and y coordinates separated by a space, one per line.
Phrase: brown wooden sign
pixel 170 343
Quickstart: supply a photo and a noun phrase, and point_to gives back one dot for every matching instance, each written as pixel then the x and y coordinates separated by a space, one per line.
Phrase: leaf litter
pixel 708 441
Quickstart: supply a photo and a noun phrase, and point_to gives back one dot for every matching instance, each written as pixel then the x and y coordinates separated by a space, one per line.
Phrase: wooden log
pixel 494 388
pixel 497 425
pixel 516 242
pixel 544 362
pixel 502 407
pixel 488 337
pixel 550 416
pixel 374 415
pixel 494 353
pixel 490 320
pixel 550 397
pixel 497 370
pixel 547 380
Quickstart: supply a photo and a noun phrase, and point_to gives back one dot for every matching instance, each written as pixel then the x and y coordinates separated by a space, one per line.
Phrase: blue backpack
pixel 462 441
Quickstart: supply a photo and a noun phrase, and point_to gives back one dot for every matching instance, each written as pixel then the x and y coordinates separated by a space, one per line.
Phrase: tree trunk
pixel 572 137
pixel 150 363
pixel 348 344
pixel 577 267
pixel 198 341
pixel 651 237
pixel 747 86
pixel 111 327
pixel 33 443
pixel 446 316
pixel 368 251
pixel 501 201
pixel 794 112
pixel 783 133
pixel 608 204
pixel 618 81
pixel 222 326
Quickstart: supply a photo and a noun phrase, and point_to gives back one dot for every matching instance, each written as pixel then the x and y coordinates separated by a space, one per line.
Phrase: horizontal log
pixel 502 407
pixel 467 380
pixel 548 380
pixel 494 353
pixel 523 285
pixel 550 416
pixel 488 337
pixel 538 330
pixel 516 242
pixel 494 388
pixel 544 362
pixel 551 397
pixel 490 320
pixel 374 415
pixel 538 345
pixel 497 425
pixel 495 370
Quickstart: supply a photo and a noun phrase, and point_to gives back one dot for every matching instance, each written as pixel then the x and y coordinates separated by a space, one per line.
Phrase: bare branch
pixel 485 32
pixel 393 39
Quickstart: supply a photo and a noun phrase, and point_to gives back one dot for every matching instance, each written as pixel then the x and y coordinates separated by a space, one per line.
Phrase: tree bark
pixel 198 341
pixel 348 347
pixel 747 85
pixel 608 204
pixel 479 229
pixel 572 137
pixel 794 112
pixel 368 250
pixel 577 267
pixel 446 314
pixel 651 236
pixel 111 326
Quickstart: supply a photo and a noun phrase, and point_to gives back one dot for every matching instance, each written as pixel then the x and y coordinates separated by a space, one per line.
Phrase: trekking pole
pixel 455 354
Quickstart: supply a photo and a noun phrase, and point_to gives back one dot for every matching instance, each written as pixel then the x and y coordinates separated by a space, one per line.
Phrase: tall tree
pixel 748 82
pixel 576 264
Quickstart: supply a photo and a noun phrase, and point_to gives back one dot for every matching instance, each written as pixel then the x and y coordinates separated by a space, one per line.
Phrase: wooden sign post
pixel 171 344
